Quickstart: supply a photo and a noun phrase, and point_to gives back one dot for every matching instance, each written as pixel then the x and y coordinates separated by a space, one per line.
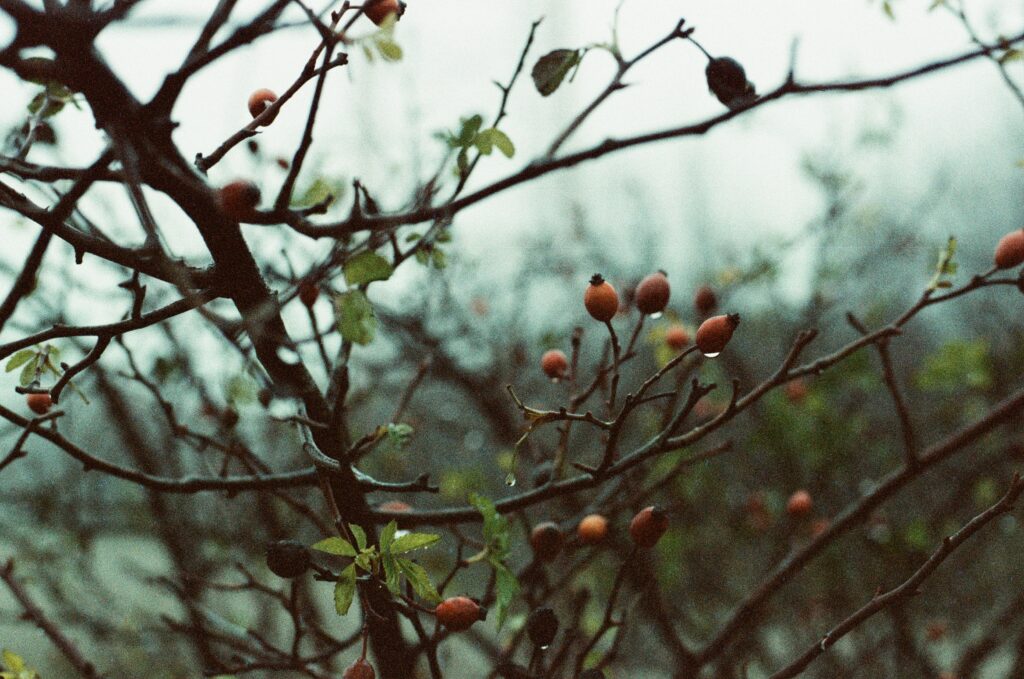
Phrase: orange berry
pixel 648 526
pixel 238 199
pixel 714 333
pixel 1010 250
pixel 819 526
pixel 546 540
pixel 652 293
pixel 554 364
pixel 796 390
pixel 677 337
pixel 39 403
pixel 593 529
pixel 601 300
pixel 360 669
pixel 799 504
pixel 259 101
pixel 308 293
pixel 704 300
pixel 459 613
pixel 395 506
pixel 379 10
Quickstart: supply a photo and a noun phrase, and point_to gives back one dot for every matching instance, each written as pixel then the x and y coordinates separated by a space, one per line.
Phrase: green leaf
pixel 319 191
pixel 337 546
pixel 28 373
pixel 887 8
pixel 392 573
pixel 240 390
pixel 388 49
pixel 438 259
pixel 483 142
pixel 412 541
pixel 399 434
pixel 419 579
pixel 551 69
pixel 502 141
pixel 1011 55
pixel 19 359
pixel 462 162
pixel 13 661
pixel 356 320
pixel 359 534
pixel 387 536
pixel 470 127
pixel 345 590
pixel 367 267
pixel 496 527
pixel 506 588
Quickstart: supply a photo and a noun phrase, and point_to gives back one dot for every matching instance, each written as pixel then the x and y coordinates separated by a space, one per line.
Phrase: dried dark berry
pixel 542 626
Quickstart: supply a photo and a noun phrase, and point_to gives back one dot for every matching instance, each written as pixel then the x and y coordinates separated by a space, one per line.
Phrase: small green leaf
pixel 336 546
pixel 412 541
pixel 419 579
pixel 319 191
pixel 470 127
pixel 28 373
pixel 13 661
pixel 483 142
pixel 240 390
pixel 506 589
pixel 1011 55
pixel 399 434
pixel 345 590
pixel 367 267
pixel 388 49
pixel 356 320
pixel 423 256
pixel 438 259
pixel 502 141
pixel 551 69
pixel 392 574
pixel 387 536
pixel 462 162
pixel 887 8
pixel 19 359
pixel 360 535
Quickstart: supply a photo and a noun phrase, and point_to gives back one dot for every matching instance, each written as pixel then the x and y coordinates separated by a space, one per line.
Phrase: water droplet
pixel 288 355
pixel 656 315
pixel 556 380
pixel 545 647
pixel 510 480
pixel 712 354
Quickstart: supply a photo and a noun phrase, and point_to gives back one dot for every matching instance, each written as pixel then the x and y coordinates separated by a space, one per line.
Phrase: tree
pixel 242 428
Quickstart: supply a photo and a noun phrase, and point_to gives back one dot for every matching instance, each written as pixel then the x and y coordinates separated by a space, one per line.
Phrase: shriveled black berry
pixel 287 558
pixel 728 81
pixel 541 626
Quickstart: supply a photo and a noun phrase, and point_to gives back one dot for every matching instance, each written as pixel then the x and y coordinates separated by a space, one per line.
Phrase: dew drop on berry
pixel 556 380
pixel 510 480
pixel 656 315
pixel 713 354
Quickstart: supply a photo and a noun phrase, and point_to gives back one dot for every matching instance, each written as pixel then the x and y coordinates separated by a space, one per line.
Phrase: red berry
pixel 546 539
pixel 677 337
pixel 1010 250
pixel 704 300
pixel 238 199
pixel 459 613
pixel 308 293
pixel 360 669
pixel 259 101
pixel 648 526
pixel 652 293
pixel 554 364
pixel 39 403
pixel 714 333
pixel 799 504
pixel 593 529
pixel 796 390
pixel 601 300
pixel 379 10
